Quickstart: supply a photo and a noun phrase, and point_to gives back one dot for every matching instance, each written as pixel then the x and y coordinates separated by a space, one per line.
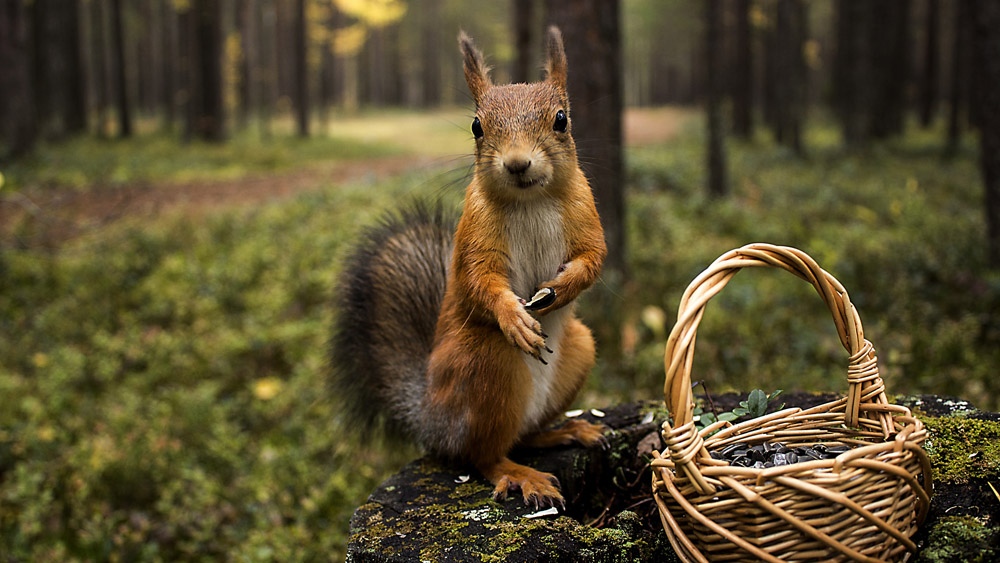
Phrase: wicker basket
pixel 862 506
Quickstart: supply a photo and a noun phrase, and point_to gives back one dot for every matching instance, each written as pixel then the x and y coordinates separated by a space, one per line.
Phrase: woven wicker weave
pixel 862 506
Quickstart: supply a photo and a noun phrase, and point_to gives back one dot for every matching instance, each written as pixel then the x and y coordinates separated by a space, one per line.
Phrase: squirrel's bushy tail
pixel 387 303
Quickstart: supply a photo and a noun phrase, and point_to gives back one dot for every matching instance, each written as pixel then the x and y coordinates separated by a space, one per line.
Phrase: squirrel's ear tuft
pixel 556 54
pixel 476 71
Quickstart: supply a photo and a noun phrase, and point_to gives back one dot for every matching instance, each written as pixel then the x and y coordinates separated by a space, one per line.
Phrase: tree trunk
pixel 121 78
pixel 17 114
pixel 986 60
pixel 145 68
pixel 889 44
pixel 717 177
pixel 395 90
pixel 431 57
pixel 853 73
pixel 169 65
pixel 930 76
pixel 209 112
pixel 99 53
pixel 301 70
pixel 593 51
pixel 788 38
pixel 775 71
pixel 372 75
pixel 327 72
pixel 248 39
pixel 743 73
pixel 524 20
pixel 41 65
pixel 186 76
pixel 75 86
pixel 268 83
pixel 958 93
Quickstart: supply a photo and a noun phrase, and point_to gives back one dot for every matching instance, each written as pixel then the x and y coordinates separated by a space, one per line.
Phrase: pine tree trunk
pixel 301 70
pixel 99 53
pixel 121 77
pixel 17 124
pixel 268 83
pixel 75 110
pixel 327 73
pixel 930 76
pixel 248 40
pixel 958 93
pixel 789 90
pixel 986 61
pixel 395 91
pixel 209 112
pixel 431 60
pixel 168 64
pixel 593 50
pixel 41 65
pixel 743 70
pixel 523 18
pixel 889 44
pixel 717 177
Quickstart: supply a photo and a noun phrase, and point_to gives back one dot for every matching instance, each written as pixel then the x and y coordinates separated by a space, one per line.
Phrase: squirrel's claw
pixel 523 331
pixel 538 353
pixel 604 443
pixel 537 487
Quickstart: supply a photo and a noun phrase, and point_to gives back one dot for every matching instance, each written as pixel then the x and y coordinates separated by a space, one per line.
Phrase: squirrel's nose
pixel 516 164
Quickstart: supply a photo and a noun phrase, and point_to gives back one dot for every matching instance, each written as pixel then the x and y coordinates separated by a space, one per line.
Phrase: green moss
pixel 472 488
pixel 960 539
pixel 961 448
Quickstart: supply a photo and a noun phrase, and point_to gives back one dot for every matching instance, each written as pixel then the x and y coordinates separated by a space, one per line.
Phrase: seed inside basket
pixel 773 454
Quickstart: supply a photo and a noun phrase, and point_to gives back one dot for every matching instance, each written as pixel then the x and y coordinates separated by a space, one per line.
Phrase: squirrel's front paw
pixel 523 330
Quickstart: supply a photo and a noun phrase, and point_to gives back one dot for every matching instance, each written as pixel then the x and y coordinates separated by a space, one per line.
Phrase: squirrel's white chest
pixel 536 245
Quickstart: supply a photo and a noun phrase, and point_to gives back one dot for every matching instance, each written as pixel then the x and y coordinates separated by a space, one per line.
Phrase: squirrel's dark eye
pixel 561 122
pixel 477 129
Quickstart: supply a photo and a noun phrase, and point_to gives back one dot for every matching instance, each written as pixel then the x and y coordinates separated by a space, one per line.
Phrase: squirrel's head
pixel 522 131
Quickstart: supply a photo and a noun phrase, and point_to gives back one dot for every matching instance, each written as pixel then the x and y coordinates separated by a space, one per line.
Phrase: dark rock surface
pixel 431 511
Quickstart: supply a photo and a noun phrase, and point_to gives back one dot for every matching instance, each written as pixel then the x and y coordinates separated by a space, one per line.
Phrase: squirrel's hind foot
pixel 537 487
pixel 575 431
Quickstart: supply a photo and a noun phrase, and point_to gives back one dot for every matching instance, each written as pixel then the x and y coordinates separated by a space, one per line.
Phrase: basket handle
pixel 865 387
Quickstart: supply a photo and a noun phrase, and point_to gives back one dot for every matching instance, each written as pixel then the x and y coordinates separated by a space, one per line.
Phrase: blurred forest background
pixel 180 179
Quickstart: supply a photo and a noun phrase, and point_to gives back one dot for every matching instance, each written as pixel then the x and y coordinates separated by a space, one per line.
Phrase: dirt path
pixel 650 126
pixel 59 215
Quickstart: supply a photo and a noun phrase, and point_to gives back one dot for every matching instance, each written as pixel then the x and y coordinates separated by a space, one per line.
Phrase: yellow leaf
pixel 373 13
pixel 1 180
pixel 46 433
pixel 347 41
pixel 40 360
pixel 266 388
pixel 811 53
pixel 655 320
pixel 896 208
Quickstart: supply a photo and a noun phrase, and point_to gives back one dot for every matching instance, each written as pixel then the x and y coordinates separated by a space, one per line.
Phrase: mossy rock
pixel 431 511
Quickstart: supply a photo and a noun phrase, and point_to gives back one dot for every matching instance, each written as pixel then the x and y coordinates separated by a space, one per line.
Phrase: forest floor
pixel 164 372
pixel 64 212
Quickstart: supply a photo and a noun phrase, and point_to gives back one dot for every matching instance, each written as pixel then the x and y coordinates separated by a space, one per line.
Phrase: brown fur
pixel 479 368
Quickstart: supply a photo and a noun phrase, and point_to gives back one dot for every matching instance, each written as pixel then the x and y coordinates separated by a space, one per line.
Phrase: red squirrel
pixel 434 332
